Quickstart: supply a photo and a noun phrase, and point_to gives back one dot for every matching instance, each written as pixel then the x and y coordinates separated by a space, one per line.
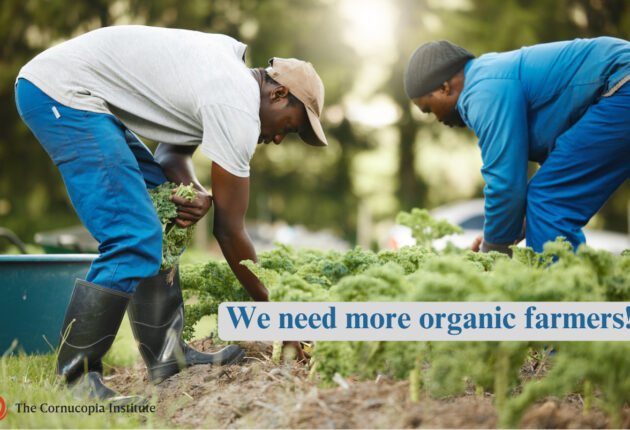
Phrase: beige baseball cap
pixel 302 81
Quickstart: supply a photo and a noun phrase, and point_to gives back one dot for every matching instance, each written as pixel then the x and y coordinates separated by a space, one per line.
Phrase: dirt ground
pixel 257 393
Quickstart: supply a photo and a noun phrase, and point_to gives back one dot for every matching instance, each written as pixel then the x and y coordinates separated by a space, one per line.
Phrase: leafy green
pixel 174 238
pixel 420 273
pixel 424 228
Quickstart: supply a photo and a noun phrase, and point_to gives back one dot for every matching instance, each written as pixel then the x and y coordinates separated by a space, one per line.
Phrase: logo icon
pixel 3 409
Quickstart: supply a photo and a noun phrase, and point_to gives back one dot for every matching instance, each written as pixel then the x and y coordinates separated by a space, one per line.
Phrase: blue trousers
pixel 106 170
pixel 588 163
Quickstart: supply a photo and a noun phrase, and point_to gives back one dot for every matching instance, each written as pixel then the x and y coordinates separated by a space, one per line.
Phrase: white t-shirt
pixel 174 86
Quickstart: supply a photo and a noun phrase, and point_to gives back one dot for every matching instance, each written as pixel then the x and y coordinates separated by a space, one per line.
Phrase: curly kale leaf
pixel 174 238
pixel 424 228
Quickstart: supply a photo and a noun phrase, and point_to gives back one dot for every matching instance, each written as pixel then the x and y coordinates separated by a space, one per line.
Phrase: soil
pixel 257 393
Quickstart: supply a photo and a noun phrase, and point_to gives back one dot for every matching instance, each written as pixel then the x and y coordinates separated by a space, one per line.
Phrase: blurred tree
pixel 411 189
pixel 32 196
pixel 291 183
pixel 296 183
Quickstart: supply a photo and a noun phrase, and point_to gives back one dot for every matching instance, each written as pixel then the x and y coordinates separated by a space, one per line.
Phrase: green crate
pixel 35 291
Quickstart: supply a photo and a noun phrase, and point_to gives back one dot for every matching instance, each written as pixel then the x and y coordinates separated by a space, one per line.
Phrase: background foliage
pixel 380 167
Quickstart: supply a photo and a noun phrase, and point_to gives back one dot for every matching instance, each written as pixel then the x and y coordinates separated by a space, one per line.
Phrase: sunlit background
pixel 384 154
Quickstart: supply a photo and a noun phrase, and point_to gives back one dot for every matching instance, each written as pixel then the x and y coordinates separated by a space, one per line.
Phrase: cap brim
pixel 313 135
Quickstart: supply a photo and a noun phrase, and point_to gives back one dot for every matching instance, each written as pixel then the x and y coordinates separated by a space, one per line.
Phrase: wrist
pixel 260 294
pixel 200 189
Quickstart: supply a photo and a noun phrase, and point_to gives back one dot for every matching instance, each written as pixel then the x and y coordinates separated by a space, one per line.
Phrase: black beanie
pixel 432 64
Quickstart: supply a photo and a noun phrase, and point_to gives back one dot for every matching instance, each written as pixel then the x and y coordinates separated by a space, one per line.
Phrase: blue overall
pixel 106 170
pixel 565 105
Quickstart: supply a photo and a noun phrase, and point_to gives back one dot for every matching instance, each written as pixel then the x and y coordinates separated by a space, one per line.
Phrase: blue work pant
pixel 588 163
pixel 106 170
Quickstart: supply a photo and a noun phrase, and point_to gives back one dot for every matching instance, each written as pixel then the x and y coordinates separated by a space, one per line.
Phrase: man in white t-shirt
pixel 86 99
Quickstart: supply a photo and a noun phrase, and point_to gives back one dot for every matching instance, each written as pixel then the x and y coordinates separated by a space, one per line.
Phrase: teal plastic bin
pixel 35 291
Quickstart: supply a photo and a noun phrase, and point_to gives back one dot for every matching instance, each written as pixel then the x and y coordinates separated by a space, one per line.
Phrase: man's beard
pixel 454 119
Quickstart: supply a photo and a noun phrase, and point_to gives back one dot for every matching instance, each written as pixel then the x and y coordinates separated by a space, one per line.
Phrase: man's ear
pixel 446 88
pixel 279 92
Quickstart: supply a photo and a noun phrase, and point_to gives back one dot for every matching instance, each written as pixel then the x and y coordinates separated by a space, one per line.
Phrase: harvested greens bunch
pixel 174 238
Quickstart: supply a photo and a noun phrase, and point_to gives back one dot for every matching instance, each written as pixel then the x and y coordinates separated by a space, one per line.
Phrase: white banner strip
pixel 414 321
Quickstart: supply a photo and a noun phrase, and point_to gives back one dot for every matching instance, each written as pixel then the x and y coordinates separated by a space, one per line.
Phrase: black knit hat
pixel 432 64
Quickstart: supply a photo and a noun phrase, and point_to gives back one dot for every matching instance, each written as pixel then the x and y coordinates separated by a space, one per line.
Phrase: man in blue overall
pixel 565 105
pixel 84 100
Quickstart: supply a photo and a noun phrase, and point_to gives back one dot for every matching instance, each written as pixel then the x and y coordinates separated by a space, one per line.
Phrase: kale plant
pixel 424 228
pixel 174 238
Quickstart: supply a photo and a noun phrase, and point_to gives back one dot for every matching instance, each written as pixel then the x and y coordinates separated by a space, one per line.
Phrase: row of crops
pixel 598 371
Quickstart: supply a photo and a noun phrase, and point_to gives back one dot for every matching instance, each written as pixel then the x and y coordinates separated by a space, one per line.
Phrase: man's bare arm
pixel 177 165
pixel 231 198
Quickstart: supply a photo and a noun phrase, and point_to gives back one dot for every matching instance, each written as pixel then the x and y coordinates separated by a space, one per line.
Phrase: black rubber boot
pixel 156 314
pixel 93 315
